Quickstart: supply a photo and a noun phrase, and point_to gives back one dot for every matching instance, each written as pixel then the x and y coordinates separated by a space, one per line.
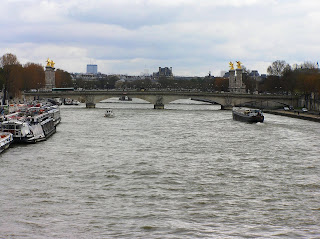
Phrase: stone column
pixel 232 80
pixel 90 105
pixel 239 78
pixel 50 78
pixel 159 103
pixel 240 86
pixel 90 101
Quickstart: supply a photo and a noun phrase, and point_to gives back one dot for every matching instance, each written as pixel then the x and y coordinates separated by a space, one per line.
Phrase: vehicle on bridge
pixel 63 89
pixel 125 98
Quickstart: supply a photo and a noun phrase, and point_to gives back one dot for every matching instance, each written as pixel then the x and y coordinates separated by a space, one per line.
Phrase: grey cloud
pixel 186 34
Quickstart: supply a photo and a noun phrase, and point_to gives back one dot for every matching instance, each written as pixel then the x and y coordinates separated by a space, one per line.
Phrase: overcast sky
pixel 133 36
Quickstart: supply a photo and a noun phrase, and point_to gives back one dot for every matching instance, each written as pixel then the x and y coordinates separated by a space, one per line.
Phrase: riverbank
pixel 296 114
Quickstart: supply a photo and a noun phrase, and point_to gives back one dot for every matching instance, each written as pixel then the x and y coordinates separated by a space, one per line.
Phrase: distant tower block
pixel 50 75
pixel 92 69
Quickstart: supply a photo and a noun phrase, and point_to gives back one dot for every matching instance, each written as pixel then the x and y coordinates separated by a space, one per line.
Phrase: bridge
pixel 227 100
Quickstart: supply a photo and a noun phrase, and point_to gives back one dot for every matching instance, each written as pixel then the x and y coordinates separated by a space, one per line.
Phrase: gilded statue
pixel 231 65
pixel 238 64
pixel 50 63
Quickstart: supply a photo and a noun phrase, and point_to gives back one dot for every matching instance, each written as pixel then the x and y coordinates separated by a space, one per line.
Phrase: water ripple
pixel 181 173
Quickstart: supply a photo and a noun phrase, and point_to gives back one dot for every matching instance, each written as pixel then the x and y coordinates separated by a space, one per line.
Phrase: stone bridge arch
pixel 161 98
pixel 158 100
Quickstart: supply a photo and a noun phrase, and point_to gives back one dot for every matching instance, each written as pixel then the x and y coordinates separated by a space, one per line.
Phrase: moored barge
pixel 6 139
pixel 33 125
pixel 247 115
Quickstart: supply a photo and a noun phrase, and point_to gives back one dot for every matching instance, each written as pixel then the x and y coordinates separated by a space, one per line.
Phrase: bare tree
pixel 8 59
pixel 8 62
pixel 309 65
pixel 63 78
pixel 34 76
pixel 277 68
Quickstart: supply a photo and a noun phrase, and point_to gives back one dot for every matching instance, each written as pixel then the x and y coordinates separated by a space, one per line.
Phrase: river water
pixel 188 171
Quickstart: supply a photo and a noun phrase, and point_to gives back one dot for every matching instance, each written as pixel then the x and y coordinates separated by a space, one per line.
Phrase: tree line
pixel 15 77
pixel 176 83
pixel 282 78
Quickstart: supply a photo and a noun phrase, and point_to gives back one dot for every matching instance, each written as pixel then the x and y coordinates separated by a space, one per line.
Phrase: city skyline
pixel 130 37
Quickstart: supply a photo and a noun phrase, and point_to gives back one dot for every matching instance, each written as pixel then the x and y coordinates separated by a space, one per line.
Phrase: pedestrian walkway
pixel 296 114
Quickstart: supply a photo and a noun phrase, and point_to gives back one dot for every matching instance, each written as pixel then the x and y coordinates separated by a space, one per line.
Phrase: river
pixel 188 171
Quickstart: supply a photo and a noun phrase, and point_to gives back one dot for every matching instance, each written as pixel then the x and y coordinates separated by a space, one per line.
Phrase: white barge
pixel 30 129
pixel 6 139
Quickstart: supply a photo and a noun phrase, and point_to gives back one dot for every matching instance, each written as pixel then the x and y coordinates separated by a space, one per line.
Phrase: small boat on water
pixel 125 98
pixel 247 115
pixel 6 139
pixel 109 113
